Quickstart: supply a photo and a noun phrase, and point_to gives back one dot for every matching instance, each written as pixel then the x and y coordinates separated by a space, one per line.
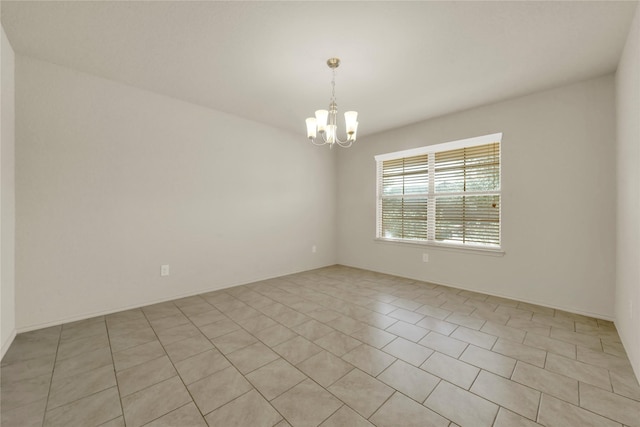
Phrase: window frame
pixel 431 150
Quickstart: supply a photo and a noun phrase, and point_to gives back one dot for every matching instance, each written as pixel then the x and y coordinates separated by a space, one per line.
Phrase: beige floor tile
pixel 443 344
pixel 178 333
pixel 515 313
pixel 252 357
pixel 136 355
pixel 558 353
pixel 450 369
pixel 307 404
pixel 116 422
pixel 132 339
pixel 312 329
pixel 242 313
pixel 490 315
pixel 488 360
pixel 440 326
pixel 462 407
pixel 155 401
pixel 578 370
pixel 163 309
pixel 325 368
pixel 502 331
pixel 369 359
pixel 625 385
pixel 124 316
pixel 275 378
pixel 297 349
pixel 361 392
pixel 169 321
pixel 558 413
pixel 83 329
pixel 291 319
pixel 201 365
pixel 551 345
pixel 275 335
pixel 407 330
pixel 464 320
pixel 344 417
pixel 435 312
pixel 84 362
pixel 127 327
pixel 345 324
pixel 556 385
pixel 409 380
pixel 525 353
pixel 95 409
pixel 408 351
pixel 233 341
pixel 30 415
pixel 610 405
pixel 144 375
pixel 249 409
pixel 337 343
pixel 613 347
pixel 373 336
pixel 620 365
pixel 31 368
pixel 218 389
pixel 555 322
pixel 221 327
pixel 406 303
pixel 256 323
pixel 28 349
pixel 576 338
pixel 21 393
pixel 516 397
pixel 207 317
pixel 181 350
pixel 67 389
pixel 68 349
pixel 406 315
pixel 507 418
pixel 401 409
pixel 529 326
pixel 474 337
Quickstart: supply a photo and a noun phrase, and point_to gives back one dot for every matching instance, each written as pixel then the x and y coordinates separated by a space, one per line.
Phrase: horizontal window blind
pixel 447 196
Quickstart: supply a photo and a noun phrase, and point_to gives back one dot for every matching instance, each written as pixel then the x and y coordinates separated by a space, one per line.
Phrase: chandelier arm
pixel 313 141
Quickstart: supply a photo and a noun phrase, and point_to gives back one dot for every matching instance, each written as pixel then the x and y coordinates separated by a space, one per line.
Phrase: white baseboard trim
pixel 574 310
pixel 89 315
pixel 8 342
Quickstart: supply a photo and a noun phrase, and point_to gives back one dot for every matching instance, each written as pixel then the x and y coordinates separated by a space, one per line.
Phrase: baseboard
pixel 511 297
pixel 8 342
pixel 89 315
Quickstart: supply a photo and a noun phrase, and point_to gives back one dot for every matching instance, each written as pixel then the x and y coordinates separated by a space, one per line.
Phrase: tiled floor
pixel 331 347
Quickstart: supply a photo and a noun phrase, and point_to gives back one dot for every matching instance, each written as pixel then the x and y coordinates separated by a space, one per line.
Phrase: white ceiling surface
pixel 401 61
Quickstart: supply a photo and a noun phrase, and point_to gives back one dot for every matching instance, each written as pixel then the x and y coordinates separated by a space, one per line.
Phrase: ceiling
pixel 401 61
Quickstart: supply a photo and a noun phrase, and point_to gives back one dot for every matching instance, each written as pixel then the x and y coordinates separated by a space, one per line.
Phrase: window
pixel 445 194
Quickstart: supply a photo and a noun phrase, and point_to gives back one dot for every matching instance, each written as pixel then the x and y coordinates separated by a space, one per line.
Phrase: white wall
pixel 558 201
pixel 113 181
pixel 7 197
pixel 628 212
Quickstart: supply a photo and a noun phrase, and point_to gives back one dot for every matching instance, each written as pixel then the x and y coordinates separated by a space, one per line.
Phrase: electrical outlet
pixel 164 270
pixel 313 249
pixel 425 257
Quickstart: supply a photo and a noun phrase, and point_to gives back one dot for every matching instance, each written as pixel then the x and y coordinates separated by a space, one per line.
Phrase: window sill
pixel 445 247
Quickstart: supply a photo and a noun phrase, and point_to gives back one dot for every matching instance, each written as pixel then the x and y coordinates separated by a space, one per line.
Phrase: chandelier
pixel 325 122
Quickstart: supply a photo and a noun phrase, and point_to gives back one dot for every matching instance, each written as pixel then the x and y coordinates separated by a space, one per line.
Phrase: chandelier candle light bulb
pixel 325 122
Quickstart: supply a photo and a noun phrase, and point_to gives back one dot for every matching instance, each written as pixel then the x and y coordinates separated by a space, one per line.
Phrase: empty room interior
pixel 433 218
